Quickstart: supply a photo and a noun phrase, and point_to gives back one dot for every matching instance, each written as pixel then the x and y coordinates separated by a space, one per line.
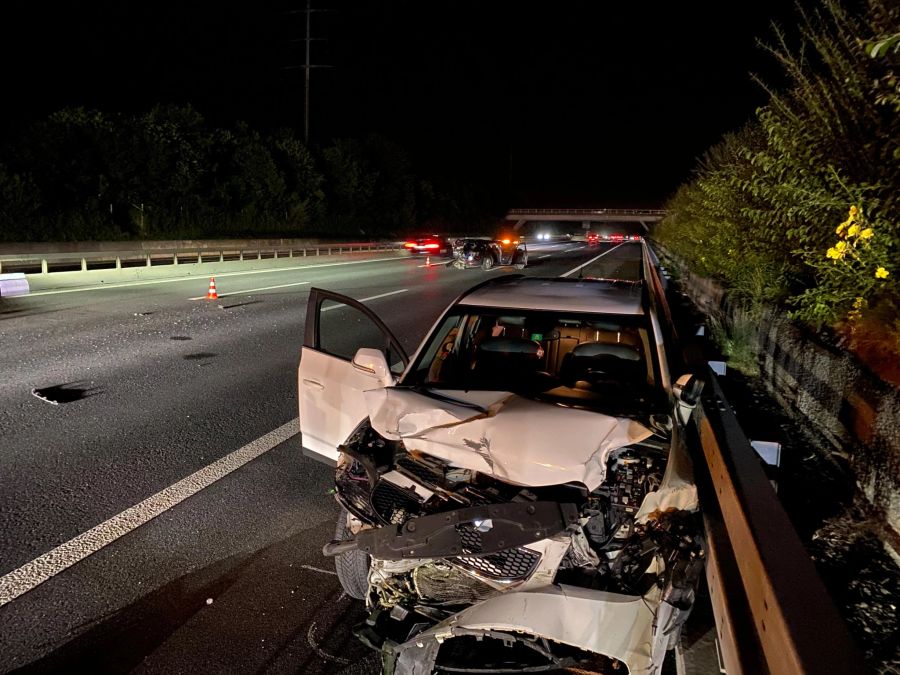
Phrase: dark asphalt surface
pixel 232 579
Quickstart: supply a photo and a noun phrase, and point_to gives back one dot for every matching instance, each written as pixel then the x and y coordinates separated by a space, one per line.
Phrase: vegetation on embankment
pixel 801 205
pixel 87 175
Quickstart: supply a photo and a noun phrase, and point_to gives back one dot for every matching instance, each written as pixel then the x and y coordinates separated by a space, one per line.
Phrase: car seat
pixel 592 362
pixel 502 358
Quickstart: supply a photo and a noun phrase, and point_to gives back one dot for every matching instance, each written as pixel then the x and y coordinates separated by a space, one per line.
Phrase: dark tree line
pixel 167 174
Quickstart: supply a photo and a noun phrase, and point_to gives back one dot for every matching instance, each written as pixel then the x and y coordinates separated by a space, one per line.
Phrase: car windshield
pixel 605 362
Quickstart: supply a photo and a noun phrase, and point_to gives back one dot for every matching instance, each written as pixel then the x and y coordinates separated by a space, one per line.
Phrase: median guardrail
pixel 773 613
pixel 138 255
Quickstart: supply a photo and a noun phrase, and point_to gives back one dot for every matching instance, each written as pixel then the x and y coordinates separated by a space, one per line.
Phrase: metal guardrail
pixel 84 261
pixel 773 614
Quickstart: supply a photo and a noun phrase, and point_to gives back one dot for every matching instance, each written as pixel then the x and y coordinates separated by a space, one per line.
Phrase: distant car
pixel 486 253
pixel 593 238
pixel 429 244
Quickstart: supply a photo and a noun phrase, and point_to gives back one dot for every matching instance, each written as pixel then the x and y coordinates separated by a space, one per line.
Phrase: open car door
pixel 347 350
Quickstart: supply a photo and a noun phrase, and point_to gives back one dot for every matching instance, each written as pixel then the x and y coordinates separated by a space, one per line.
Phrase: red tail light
pixel 432 246
pixel 409 244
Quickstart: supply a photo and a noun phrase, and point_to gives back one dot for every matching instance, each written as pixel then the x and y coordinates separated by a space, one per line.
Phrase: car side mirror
pixel 688 389
pixel 687 392
pixel 373 363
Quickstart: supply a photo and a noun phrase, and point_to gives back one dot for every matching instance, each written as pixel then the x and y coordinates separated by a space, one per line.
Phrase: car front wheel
pixel 352 567
pixel 487 263
pixel 523 261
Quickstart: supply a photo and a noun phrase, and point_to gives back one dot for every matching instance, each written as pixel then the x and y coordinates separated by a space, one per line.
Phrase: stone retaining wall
pixel 841 403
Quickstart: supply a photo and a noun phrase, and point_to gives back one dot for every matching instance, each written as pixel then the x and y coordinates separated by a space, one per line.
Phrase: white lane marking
pixel 373 297
pixel 319 569
pixel 252 290
pixel 195 277
pixel 543 256
pixel 572 271
pixel 48 565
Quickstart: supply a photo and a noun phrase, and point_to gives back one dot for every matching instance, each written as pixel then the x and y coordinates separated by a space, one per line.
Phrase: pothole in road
pixel 68 392
pixel 198 356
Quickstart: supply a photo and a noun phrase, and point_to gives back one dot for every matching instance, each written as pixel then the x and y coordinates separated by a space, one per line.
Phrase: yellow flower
pixel 881 273
pixel 853 231
pixel 840 228
pixel 866 233
pixel 858 303
pixel 853 211
pixel 832 253
pixel 841 246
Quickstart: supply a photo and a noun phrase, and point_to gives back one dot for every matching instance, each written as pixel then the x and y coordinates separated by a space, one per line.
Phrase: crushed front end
pixel 469 571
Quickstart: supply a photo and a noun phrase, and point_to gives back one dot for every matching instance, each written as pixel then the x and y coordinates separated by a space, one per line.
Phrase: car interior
pixel 543 349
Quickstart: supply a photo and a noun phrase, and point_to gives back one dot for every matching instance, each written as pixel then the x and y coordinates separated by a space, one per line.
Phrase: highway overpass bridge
pixel 586 216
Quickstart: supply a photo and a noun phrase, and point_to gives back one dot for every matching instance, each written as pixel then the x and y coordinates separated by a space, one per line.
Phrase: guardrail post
pixel 304 252
pixel 84 265
pixel 329 250
pixel 275 252
pixel 149 264
pixel 241 255
pixel 199 257
pixel 175 258
pixel 290 253
pixel 221 256
pixel 43 266
pixel 259 254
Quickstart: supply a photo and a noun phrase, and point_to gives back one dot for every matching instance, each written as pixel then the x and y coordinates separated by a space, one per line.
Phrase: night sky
pixel 552 103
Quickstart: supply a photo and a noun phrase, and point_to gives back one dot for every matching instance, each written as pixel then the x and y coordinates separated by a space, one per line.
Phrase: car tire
pixel 353 567
pixel 523 262
pixel 487 263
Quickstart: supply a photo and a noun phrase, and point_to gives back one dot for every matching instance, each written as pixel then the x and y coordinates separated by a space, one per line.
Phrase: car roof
pixel 597 296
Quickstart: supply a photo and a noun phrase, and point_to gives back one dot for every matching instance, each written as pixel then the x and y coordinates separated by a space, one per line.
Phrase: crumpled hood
pixel 517 440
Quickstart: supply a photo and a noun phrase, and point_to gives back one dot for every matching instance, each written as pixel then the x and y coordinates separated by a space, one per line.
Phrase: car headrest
pixel 621 351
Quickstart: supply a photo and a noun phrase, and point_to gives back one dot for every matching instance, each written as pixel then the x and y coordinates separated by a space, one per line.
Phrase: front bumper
pixel 614 625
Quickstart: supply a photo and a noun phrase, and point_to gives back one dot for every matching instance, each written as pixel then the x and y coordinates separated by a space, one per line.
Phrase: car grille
pixel 353 489
pixel 419 470
pixel 513 564
pixel 393 504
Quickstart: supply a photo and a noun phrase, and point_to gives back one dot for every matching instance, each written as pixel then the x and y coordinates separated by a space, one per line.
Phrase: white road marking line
pixel 195 277
pixel 543 256
pixel 572 271
pixel 373 297
pixel 319 569
pixel 48 565
pixel 435 264
pixel 252 290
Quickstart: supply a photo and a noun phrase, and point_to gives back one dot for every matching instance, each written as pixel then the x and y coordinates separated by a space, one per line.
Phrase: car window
pixel 578 359
pixel 344 329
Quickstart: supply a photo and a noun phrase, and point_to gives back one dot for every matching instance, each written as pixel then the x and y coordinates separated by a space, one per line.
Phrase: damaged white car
pixel 517 496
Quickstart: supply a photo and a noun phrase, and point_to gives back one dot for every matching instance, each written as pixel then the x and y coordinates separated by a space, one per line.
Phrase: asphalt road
pixel 229 578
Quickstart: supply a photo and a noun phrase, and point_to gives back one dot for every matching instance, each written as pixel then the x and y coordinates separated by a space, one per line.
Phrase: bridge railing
pixel 588 212
pixel 773 614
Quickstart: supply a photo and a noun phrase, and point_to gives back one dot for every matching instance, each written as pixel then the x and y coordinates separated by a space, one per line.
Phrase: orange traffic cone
pixel 212 294
pixel 427 261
